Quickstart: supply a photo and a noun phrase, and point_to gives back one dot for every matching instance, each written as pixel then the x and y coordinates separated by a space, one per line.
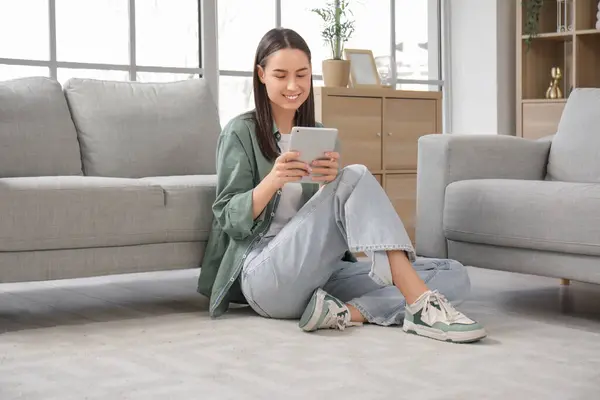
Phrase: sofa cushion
pixel 189 202
pixel 37 135
pixel 40 213
pixel 543 215
pixel 133 129
pixel 575 152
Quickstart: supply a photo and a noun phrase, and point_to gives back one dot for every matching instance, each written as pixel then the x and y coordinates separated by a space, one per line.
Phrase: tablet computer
pixel 312 143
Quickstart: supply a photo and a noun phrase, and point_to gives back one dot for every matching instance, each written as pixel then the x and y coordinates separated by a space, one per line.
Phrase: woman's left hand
pixel 328 167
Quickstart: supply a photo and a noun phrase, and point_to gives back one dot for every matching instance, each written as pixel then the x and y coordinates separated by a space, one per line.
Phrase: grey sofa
pixel 507 203
pixel 104 177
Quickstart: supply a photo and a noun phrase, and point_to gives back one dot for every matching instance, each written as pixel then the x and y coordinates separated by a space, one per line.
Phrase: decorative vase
pixel 554 91
pixel 336 73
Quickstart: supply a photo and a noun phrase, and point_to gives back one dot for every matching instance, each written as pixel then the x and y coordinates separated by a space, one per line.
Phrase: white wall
pixel 482 66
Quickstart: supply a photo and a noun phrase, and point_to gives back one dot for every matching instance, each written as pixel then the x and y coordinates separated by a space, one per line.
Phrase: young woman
pixel 286 247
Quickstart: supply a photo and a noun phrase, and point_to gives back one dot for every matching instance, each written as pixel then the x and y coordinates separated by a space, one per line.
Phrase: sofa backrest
pixel 37 135
pixel 575 151
pixel 134 129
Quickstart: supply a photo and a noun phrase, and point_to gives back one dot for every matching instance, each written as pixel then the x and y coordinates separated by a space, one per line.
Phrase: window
pixel 235 96
pixel 372 28
pixel 24 29
pixel 296 15
pixel 143 40
pixel 167 33
pixel 164 76
pixel 159 41
pixel 241 25
pixel 64 74
pixel 417 47
pixel 21 71
pixel 403 35
pixel 82 34
pixel 373 31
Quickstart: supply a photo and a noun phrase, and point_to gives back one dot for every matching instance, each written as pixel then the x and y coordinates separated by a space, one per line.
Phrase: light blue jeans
pixel 351 213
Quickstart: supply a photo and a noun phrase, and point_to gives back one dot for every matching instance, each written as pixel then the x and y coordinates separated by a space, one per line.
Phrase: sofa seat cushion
pixel 40 213
pixel 542 215
pixel 189 202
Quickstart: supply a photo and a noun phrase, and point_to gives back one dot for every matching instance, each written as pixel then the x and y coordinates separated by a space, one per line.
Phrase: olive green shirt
pixel 241 166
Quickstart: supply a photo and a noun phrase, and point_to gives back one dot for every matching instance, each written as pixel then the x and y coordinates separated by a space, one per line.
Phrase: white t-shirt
pixel 291 196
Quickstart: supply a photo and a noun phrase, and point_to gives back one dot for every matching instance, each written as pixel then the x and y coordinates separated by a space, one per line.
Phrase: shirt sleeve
pixel 233 204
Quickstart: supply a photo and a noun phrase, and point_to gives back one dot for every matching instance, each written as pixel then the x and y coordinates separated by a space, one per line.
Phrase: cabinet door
pixel 405 120
pixel 541 119
pixel 379 179
pixel 402 191
pixel 358 120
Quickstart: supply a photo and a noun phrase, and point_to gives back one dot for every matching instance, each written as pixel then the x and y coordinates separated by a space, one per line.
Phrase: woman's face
pixel 287 77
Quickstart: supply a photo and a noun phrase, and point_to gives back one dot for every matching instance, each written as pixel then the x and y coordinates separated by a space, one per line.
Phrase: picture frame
pixel 363 70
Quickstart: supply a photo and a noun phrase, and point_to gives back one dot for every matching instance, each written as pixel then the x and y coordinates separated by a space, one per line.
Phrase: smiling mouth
pixel 294 97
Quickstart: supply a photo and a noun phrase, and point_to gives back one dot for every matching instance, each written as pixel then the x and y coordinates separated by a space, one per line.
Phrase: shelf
pixel 537 63
pixel 543 101
pixel 563 36
pixel 587 32
pixel 557 36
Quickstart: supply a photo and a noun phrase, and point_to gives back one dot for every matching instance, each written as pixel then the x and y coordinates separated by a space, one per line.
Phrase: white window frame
pixel 53 64
pixel 445 65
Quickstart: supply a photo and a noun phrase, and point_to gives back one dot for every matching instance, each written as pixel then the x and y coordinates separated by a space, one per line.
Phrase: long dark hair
pixel 274 40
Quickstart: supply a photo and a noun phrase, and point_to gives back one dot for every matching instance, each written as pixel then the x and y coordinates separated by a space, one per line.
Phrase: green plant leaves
pixel 337 25
pixel 531 16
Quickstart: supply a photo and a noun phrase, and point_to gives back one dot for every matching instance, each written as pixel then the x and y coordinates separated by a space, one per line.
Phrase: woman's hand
pixel 328 167
pixel 287 169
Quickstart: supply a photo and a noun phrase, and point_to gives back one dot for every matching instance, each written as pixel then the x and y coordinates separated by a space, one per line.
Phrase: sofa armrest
pixel 447 158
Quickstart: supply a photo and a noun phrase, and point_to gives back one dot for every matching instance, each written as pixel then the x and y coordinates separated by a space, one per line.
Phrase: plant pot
pixel 336 73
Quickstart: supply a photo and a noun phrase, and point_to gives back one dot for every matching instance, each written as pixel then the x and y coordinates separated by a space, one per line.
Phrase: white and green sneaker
pixel 431 315
pixel 325 312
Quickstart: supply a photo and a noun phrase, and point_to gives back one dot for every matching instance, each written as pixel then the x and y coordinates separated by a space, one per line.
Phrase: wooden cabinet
pixel 402 191
pixel 380 129
pixel 405 121
pixel 379 179
pixel 358 120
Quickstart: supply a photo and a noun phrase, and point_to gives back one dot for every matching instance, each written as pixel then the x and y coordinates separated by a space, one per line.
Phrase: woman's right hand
pixel 288 169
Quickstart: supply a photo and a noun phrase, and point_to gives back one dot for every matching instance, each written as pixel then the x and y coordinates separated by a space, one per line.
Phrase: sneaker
pixel 434 317
pixel 325 312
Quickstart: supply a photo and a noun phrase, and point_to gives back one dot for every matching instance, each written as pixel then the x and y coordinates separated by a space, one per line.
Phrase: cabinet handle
pixel 389 133
pixel 378 134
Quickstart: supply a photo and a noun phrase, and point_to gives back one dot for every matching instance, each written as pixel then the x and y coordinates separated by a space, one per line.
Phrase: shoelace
pixel 449 313
pixel 335 318
pixel 338 318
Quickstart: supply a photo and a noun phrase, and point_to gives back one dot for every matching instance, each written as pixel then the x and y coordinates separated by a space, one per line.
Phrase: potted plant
pixel 337 30
pixel 532 19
